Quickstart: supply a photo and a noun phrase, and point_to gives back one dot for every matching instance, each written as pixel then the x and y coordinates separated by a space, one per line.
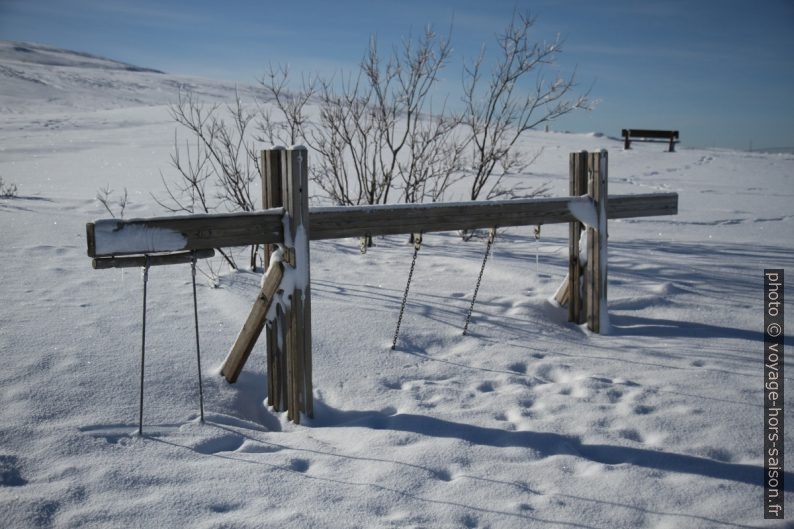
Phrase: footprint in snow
pixel 614 395
pixel 631 435
pixel 10 475
pixel 486 387
pixel 299 465
pixel 518 367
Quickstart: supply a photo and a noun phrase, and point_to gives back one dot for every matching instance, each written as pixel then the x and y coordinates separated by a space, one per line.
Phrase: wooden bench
pixel 672 135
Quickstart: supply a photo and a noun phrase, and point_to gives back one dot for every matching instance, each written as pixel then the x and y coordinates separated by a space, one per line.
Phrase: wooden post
pixel 626 140
pixel 578 186
pixel 672 141
pixel 271 168
pixel 295 188
pixel 596 275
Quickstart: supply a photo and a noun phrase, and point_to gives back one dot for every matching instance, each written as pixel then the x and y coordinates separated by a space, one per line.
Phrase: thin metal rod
pixel 198 348
pixel 491 237
pixel 417 245
pixel 143 342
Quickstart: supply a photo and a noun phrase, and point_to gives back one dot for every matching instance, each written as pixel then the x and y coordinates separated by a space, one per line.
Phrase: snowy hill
pixel 36 77
pixel 26 54
pixel 528 422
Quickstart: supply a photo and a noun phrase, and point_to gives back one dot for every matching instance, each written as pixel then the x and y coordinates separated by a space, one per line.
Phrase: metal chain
pixel 198 349
pixel 417 246
pixel 143 342
pixel 491 237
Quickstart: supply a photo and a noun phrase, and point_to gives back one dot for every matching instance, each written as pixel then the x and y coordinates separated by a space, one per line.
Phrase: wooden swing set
pixel 287 224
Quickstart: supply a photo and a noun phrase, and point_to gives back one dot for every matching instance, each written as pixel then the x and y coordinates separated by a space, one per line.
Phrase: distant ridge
pixel 776 150
pixel 35 77
pixel 34 53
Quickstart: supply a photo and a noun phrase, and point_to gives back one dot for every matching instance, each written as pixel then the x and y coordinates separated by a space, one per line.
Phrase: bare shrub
pixel 218 171
pixel 103 196
pixel 292 120
pixel 499 108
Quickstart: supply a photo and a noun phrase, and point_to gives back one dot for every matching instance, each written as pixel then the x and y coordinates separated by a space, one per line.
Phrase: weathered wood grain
pixel 202 232
pixel 253 325
pixel 271 168
pixel 295 185
pixel 190 232
pixel 596 275
pixel 102 263
pixel 578 186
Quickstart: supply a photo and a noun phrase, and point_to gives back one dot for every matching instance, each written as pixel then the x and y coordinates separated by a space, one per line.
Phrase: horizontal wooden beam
pixel 336 222
pixel 132 261
pixel 645 205
pixel 115 237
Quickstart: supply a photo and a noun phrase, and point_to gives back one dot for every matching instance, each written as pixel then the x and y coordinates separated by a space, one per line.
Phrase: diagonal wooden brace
pixel 253 326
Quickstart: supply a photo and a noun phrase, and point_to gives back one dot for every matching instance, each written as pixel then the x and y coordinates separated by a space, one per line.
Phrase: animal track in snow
pixel 299 465
pixel 518 367
pixel 486 387
pixel 642 409
pixel 10 474
pixel 631 434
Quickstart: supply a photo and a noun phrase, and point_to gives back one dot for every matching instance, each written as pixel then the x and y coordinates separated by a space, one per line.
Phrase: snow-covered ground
pixel 528 422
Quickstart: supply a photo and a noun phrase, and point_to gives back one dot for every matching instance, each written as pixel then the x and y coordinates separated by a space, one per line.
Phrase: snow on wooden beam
pixel 116 237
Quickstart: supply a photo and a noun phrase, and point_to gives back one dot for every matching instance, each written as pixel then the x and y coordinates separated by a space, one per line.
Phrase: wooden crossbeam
pixel 133 261
pixel 116 237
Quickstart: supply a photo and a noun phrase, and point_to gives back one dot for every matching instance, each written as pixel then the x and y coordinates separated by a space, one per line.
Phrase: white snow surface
pixel 585 212
pixel 113 237
pixel 529 421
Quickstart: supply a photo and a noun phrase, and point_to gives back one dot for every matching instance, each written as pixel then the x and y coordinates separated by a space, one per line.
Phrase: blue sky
pixel 720 72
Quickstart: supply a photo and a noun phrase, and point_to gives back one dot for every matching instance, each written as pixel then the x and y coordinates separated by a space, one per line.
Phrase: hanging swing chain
pixel 143 342
pixel 198 349
pixel 417 246
pixel 491 237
